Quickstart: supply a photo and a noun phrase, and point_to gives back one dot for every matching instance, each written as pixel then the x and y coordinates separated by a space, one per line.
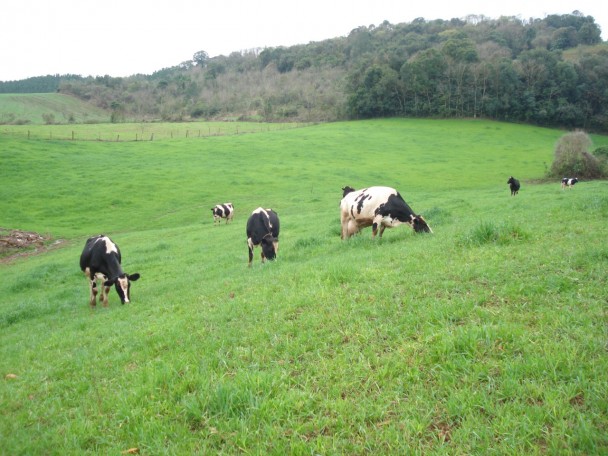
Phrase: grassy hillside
pixel 487 336
pixel 42 108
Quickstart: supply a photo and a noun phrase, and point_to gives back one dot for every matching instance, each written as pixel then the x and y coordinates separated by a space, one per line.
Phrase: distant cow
pixel 222 211
pixel 100 259
pixel 514 184
pixel 263 229
pixel 378 207
pixel 568 182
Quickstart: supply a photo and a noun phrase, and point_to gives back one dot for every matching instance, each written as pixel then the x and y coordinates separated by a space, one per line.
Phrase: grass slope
pixel 30 109
pixel 488 336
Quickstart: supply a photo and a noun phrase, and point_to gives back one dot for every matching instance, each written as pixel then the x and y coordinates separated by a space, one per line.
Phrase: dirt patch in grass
pixel 17 243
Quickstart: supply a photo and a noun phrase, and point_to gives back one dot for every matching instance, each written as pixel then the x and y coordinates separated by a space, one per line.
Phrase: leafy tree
pixel 377 94
pixel 200 58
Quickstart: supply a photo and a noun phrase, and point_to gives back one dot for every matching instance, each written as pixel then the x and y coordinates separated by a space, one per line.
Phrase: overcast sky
pixel 126 37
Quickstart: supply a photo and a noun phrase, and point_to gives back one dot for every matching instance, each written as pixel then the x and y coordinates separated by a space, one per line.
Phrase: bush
pixel 601 153
pixel 572 158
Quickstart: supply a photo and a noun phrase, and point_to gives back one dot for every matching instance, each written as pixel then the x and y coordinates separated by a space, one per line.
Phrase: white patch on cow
pixel 110 246
pixel 123 283
pixel 261 210
pixel 100 276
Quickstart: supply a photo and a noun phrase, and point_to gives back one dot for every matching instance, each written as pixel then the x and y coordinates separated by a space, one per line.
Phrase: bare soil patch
pixel 15 243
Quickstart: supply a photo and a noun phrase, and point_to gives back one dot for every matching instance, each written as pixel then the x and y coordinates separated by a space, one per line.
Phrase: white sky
pixel 126 37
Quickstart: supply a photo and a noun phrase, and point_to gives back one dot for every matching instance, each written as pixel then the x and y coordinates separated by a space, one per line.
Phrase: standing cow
pixel 222 211
pixel 514 185
pixel 100 259
pixel 568 182
pixel 378 207
pixel 263 229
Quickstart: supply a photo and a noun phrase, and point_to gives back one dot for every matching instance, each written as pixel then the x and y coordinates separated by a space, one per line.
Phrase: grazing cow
pixel 568 182
pixel 221 211
pixel 514 184
pixel 378 207
pixel 100 259
pixel 263 229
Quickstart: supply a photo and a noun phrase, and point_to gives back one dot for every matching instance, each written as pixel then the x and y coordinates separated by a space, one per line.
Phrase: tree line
pixel 551 71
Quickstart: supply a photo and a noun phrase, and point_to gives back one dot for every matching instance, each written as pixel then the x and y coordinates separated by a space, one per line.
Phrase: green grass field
pixel 143 131
pixel 487 337
pixel 39 108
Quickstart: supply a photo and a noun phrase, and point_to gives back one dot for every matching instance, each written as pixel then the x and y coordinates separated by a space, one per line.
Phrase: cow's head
pixel 346 190
pixel 511 180
pixel 269 245
pixel 420 225
pixel 122 283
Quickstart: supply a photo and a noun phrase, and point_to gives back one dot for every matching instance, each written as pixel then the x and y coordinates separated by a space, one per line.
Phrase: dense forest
pixel 551 71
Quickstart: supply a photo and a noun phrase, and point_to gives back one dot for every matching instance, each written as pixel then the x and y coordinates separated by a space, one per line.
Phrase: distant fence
pixel 136 132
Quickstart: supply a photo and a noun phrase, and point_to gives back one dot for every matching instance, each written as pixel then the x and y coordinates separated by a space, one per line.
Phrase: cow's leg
pixel 382 228
pixel 262 256
pixel 93 294
pixel 250 247
pixel 377 222
pixel 351 228
pixel 92 287
pixel 344 221
pixel 105 292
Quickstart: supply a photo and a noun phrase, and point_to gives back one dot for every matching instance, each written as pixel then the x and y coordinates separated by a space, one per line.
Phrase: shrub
pixel 601 153
pixel 572 157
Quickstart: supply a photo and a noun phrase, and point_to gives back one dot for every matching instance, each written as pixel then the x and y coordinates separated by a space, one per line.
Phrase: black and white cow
pixel 514 184
pixel 222 211
pixel 263 230
pixel 568 182
pixel 378 207
pixel 100 259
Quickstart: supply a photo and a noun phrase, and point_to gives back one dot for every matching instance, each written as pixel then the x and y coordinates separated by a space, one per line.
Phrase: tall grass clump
pixel 494 233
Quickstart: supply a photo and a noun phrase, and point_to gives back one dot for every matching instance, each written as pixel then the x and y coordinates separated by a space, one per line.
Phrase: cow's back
pixel 362 204
pixel 96 256
pixel 261 222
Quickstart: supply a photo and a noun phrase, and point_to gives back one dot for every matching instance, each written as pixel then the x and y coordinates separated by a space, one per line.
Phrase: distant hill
pixel 548 72
pixel 48 108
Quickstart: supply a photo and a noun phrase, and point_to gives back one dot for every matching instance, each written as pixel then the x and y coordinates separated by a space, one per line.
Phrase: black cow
pixel 100 259
pixel 221 211
pixel 568 182
pixel 378 207
pixel 263 229
pixel 514 184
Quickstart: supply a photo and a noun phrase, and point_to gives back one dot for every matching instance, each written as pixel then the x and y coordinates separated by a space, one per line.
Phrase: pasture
pixel 40 108
pixel 486 337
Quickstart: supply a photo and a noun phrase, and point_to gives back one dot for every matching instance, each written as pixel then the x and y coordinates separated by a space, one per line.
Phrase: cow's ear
pixel 108 283
pixel 133 277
